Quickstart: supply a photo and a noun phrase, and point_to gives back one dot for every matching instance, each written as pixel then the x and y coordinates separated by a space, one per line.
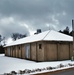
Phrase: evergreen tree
pixel 66 30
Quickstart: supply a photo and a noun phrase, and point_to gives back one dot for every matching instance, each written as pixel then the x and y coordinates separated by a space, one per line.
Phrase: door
pixel 27 49
pixel 9 51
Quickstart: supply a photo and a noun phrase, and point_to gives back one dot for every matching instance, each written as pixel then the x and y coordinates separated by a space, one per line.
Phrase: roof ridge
pixel 46 34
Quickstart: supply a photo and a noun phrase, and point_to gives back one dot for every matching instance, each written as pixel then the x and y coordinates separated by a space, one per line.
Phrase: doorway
pixel 9 51
pixel 27 51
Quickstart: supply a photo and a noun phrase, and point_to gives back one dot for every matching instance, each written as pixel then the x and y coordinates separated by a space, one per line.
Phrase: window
pixel 19 47
pixel 40 46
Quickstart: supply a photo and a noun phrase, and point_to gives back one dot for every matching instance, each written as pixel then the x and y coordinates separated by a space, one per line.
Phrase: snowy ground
pixel 8 64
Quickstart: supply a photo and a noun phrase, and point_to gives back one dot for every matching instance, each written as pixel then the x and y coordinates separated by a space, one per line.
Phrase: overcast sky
pixel 25 16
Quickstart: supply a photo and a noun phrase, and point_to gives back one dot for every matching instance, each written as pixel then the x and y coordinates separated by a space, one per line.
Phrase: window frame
pixel 40 46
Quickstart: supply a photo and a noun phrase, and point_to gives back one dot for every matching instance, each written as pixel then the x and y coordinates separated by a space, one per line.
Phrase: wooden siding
pixel 14 51
pixel 51 51
pixel 58 51
pixel 43 51
pixel 33 51
pixel 19 50
pixel 17 53
pixel 40 52
pixel 23 51
pixel 71 50
pixel 11 52
pixel 63 51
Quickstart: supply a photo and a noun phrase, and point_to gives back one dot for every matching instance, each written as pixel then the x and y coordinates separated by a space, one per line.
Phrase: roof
pixel 49 35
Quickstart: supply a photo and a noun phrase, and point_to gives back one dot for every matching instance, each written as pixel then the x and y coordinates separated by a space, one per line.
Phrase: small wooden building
pixel 46 46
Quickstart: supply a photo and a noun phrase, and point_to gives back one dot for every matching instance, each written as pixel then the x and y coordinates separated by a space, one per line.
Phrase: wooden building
pixel 46 46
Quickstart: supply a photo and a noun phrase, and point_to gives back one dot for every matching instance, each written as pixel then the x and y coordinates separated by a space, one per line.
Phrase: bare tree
pixel 2 39
pixel 16 36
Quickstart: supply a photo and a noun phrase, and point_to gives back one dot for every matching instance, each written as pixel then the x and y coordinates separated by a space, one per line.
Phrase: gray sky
pixel 25 16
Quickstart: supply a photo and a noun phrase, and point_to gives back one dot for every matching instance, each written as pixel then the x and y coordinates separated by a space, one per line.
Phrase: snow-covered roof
pixel 49 35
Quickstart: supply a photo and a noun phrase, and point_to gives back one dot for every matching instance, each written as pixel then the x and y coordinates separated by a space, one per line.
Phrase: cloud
pixel 25 16
pixel 10 25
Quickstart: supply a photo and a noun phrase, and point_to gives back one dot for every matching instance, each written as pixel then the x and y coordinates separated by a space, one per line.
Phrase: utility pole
pixel 73 38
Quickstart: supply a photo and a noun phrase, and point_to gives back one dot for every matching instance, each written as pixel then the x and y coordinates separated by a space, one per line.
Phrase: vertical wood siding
pixel 63 51
pixel 17 54
pixel 40 52
pixel 51 51
pixel 23 51
pixel 33 51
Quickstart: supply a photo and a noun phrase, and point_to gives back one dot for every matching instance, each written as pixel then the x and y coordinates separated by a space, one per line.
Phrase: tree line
pixel 66 31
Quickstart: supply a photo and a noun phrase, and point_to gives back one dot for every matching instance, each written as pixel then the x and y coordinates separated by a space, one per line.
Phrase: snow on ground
pixel 1 54
pixel 8 64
